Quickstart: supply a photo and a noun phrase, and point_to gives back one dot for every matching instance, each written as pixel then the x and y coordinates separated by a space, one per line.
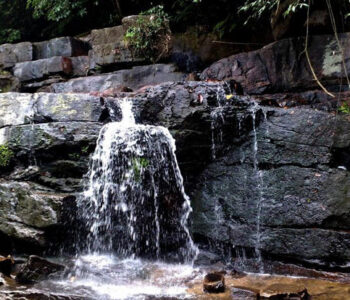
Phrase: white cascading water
pixel 134 203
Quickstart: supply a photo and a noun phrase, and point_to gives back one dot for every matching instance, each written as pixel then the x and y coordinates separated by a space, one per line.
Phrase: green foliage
pixel 74 156
pixel 148 37
pixel 6 154
pixel 138 165
pixel 10 35
pixel 57 10
pixel 225 26
pixel 257 8
pixel 85 149
pixel 344 108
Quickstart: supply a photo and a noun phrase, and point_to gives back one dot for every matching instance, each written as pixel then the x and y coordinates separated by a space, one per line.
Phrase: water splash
pixel 134 202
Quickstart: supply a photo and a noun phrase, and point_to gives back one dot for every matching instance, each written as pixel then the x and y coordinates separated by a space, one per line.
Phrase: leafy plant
pixel 57 10
pixel 344 108
pixel 225 26
pixel 150 36
pixel 10 35
pixel 6 154
pixel 257 8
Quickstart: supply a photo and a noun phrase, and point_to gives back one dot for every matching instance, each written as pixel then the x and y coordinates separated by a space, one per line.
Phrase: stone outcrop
pixel 298 174
pixel 132 79
pixel 49 138
pixel 291 161
pixel 282 66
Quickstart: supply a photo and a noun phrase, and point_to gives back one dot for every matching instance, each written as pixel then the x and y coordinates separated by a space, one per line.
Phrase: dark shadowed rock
pixel 8 83
pixel 37 269
pixel 282 66
pixel 63 46
pixel 6 264
pixel 214 283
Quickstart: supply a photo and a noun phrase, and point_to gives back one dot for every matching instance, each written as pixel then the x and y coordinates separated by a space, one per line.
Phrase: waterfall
pixel 134 201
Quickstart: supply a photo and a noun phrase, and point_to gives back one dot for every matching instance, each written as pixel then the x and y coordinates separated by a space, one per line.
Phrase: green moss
pixel 6 154
pixel 344 108
pixel 138 165
pixel 74 156
pixel 85 149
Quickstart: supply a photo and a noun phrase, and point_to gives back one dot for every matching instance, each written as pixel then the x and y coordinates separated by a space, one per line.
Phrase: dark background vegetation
pixel 37 20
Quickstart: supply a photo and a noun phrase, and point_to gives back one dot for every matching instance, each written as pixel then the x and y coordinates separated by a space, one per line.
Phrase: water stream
pixel 259 185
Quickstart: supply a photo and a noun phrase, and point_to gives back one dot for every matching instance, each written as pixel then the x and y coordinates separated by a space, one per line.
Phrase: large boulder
pixel 26 211
pixel 63 46
pixel 107 35
pixel 42 68
pixel 108 48
pixel 21 109
pixel 282 66
pixel 10 54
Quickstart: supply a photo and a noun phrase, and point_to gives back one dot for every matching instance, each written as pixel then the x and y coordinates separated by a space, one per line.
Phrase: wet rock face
pixel 282 66
pixel 295 164
pixel 287 169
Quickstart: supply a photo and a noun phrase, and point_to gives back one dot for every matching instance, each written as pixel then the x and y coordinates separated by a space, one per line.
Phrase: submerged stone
pixel 37 269
pixel 214 283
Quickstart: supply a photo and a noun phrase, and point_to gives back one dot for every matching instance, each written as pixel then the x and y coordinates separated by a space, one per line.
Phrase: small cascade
pixel 134 202
pixel 259 185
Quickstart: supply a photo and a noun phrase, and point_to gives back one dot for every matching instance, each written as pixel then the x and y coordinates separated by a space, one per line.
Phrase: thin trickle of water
pixel 217 123
pixel 134 202
pixel 241 258
pixel 260 184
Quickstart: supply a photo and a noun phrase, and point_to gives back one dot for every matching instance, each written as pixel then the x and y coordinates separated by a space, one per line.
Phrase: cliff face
pixel 267 171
